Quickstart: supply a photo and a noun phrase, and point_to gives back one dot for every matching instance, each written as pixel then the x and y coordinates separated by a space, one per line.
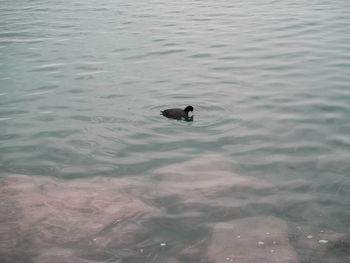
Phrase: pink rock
pixel 82 213
pixel 204 180
pixel 273 247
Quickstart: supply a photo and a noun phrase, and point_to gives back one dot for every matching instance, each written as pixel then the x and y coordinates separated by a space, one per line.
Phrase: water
pixel 81 87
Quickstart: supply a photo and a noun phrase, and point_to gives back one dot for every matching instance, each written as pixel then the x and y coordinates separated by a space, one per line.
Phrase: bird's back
pixel 174 113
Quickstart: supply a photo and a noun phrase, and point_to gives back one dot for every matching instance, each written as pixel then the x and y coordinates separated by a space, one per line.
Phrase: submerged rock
pixel 254 244
pixel 100 219
pixel 204 180
pixel 325 246
pixel 85 214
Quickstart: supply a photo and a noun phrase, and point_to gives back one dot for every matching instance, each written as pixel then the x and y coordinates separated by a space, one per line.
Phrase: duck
pixel 177 113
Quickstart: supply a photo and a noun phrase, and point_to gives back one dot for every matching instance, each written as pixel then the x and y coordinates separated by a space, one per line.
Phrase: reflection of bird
pixel 177 113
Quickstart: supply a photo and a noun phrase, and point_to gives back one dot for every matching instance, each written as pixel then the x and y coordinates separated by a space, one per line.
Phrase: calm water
pixel 82 84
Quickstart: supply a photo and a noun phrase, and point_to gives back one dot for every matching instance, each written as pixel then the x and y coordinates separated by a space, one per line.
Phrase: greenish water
pixel 82 84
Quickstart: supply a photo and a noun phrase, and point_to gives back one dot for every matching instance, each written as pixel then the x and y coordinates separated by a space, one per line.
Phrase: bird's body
pixel 177 113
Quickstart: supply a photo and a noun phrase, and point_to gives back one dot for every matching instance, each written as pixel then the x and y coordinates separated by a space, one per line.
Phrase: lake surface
pixel 82 84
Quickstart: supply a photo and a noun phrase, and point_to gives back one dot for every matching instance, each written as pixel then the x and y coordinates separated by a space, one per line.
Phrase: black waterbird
pixel 177 113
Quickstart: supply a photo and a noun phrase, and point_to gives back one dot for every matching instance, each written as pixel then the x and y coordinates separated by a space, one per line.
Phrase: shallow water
pixel 82 84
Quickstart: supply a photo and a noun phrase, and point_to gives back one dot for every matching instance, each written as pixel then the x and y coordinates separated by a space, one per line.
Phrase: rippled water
pixel 82 84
